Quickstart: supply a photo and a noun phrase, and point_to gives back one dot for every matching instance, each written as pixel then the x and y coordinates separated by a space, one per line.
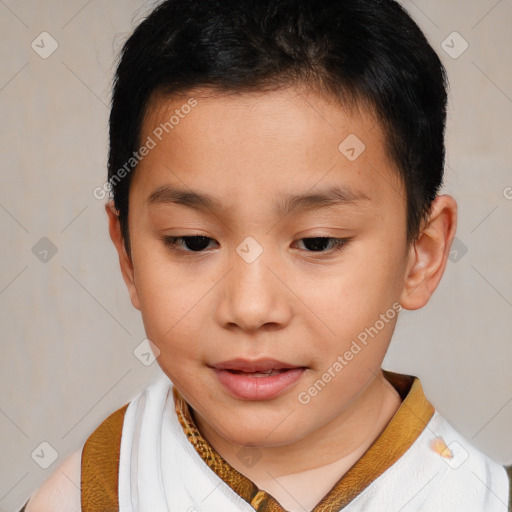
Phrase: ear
pixel 429 254
pixel 114 227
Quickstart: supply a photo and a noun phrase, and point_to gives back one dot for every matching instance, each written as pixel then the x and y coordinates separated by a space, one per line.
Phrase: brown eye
pixel 195 243
pixel 320 243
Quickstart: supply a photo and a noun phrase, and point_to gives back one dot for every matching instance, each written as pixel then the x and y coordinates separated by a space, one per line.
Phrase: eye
pixel 198 243
pixel 317 244
pixel 194 243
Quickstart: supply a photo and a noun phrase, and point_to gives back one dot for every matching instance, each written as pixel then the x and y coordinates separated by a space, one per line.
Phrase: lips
pixel 263 366
pixel 261 379
pixel 258 374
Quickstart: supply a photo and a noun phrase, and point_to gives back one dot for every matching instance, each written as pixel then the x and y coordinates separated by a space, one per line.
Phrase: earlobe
pixel 429 254
pixel 125 261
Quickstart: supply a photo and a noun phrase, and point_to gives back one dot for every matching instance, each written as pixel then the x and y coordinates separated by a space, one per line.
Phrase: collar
pixel 400 433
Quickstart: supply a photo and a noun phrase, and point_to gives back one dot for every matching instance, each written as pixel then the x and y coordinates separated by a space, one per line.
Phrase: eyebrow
pixel 332 196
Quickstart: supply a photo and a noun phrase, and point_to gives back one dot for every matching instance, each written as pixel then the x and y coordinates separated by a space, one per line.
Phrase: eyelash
pixel 172 242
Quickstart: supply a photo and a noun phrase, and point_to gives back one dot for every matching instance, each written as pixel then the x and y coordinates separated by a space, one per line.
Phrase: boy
pixel 275 169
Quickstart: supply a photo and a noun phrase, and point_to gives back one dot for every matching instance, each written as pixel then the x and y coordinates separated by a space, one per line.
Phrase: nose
pixel 253 295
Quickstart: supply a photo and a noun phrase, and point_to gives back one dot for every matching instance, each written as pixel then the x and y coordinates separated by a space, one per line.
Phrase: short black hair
pixel 364 52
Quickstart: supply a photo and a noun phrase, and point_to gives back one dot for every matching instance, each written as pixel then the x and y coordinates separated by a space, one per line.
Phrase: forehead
pixel 246 148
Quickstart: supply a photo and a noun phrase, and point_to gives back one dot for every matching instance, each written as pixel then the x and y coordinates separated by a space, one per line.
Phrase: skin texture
pixel 61 491
pixel 295 304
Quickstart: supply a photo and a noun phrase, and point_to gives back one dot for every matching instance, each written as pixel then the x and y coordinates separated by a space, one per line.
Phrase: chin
pixel 260 436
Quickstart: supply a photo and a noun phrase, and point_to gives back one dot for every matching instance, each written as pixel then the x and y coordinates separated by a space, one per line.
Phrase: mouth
pixel 259 374
pixel 261 379
pixel 257 367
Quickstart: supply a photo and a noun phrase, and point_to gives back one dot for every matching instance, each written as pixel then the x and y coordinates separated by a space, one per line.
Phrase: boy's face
pixel 299 303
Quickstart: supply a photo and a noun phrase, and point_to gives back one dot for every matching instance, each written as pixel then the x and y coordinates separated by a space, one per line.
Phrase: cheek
pixel 368 286
pixel 368 278
pixel 169 299
pixel 380 262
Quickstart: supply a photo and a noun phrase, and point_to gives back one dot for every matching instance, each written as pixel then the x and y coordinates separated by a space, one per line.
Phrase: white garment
pixel 160 470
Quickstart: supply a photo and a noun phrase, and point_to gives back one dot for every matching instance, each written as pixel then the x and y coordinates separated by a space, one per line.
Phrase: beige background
pixel 68 328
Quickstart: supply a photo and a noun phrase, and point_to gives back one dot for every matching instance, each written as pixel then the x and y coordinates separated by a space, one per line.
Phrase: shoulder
pixel 88 474
pixel 61 491
pixel 467 478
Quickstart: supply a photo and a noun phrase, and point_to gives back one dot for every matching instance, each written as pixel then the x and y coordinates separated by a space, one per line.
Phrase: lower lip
pixel 258 388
